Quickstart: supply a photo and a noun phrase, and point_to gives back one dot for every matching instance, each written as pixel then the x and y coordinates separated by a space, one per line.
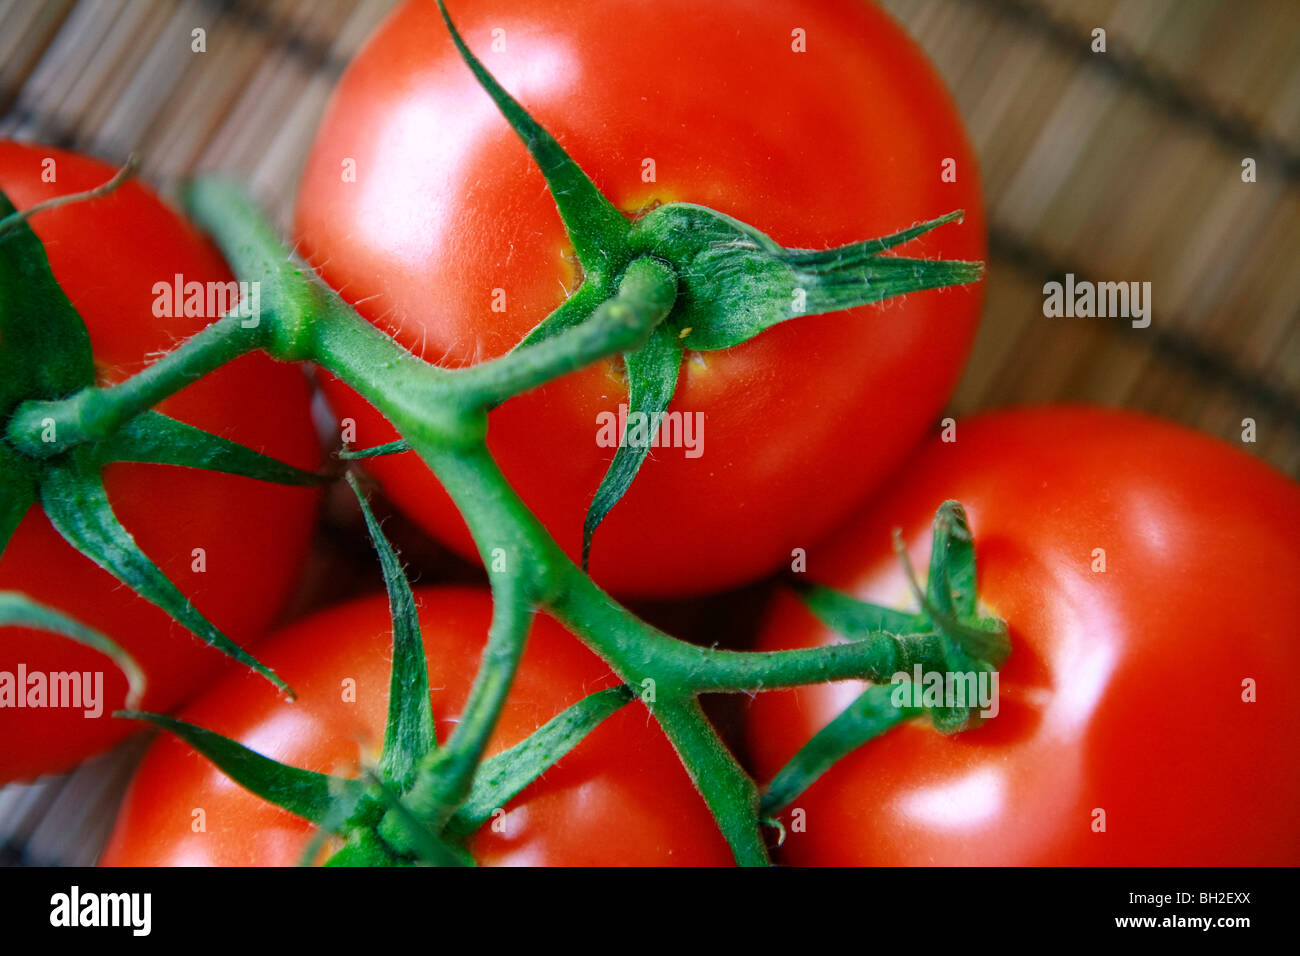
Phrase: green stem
pixel 289 298
pixel 645 296
pixel 643 651
pixel 97 413
pixel 442 416
pixel 498 518
pixel 121 176
pixel 402 386
pixel 726 788
pixel 875 657
pixel 405 830
pixel 444 782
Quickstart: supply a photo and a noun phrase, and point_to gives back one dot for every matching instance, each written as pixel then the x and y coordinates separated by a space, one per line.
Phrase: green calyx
pixel 959 640
pixel 60 429
pixel 385 818
pixel 737 282
pixel 734 281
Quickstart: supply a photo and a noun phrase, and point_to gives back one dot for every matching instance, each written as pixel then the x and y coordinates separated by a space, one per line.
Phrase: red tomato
pixel 620 797
pixel 1125 689
pixel 841 143
pixel 108 254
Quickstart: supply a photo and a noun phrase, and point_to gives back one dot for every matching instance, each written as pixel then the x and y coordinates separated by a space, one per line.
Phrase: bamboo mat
pixel 1117 166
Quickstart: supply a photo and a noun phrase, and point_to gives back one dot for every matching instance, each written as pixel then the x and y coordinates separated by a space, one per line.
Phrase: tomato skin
pixel 1124 689
pixel 107 255
pixel 840 144
pixel 620 797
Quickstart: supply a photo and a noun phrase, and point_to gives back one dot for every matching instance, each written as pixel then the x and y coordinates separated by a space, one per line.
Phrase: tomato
pixel 1126 690
pixel 446 214
pixel 619 797
pixel 107 254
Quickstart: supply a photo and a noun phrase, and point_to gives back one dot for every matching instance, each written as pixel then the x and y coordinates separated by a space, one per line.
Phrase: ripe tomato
pixel 620 797
pixel 447 213
pixel 108 254
pixel 1125 688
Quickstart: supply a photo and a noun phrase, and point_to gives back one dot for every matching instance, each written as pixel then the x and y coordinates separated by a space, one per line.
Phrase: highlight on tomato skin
pixel 449 240
pixel 108 255
pixel 1147 573
pixel 620 798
